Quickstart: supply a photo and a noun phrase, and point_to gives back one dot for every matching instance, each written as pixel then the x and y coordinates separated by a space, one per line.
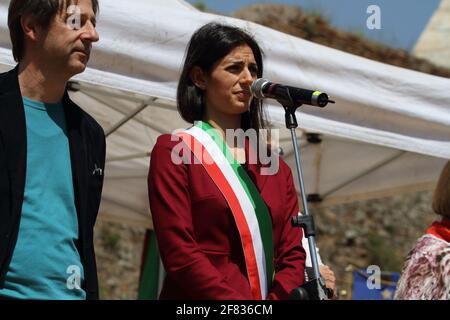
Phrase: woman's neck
pixel 223 122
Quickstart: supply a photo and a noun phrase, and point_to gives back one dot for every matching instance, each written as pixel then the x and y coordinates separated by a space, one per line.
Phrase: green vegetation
pixel 318 14
pixel 357 31
pixel 382 254
pixel 102 290
pixel 200 5
pixel 110 240
pixel 317 10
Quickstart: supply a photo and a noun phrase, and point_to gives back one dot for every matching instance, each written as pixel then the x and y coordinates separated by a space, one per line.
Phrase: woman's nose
pixel 247 77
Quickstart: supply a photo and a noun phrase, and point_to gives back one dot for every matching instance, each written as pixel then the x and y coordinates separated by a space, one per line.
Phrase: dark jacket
pixel 87 153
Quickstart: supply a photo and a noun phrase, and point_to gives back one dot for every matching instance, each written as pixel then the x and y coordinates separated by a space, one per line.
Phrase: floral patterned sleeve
pixel 426 273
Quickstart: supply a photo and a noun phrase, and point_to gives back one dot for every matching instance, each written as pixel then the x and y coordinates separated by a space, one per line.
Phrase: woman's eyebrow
pixel 240 61
pixel 237 61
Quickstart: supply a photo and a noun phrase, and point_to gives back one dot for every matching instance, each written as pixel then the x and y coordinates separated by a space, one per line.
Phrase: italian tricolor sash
pixel 250 213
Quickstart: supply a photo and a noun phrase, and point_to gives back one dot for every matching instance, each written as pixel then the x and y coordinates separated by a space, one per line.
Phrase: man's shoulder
pixel 6 80
pixel 6 74
pixel 3 77
pixel 92 123
pixel 86 119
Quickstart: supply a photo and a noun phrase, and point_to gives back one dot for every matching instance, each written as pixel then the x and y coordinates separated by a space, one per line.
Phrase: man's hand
pixel 329 278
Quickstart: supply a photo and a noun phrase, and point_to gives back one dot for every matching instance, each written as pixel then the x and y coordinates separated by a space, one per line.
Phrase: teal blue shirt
pixel 45 262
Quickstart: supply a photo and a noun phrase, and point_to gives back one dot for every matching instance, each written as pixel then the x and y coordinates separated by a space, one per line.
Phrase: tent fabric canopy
pixel 388 132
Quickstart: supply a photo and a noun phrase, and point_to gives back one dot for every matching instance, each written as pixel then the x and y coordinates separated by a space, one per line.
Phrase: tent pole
pixel 364 173
pixel 119 110
pixel 126 119
pixel 112 93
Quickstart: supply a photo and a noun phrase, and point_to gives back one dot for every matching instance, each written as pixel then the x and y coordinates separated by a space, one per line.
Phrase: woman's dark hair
pixel 207 46
pixel 441 197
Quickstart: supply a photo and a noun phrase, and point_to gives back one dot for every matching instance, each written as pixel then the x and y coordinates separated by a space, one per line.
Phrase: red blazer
pixel 197 237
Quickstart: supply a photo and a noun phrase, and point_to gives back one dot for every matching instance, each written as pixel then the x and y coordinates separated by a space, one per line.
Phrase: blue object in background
pixel 361 291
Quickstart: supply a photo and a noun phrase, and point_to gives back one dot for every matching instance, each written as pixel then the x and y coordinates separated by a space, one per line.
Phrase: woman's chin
pixel 241 107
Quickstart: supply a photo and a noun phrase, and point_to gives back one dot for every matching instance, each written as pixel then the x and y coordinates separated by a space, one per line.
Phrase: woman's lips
pixel 244 94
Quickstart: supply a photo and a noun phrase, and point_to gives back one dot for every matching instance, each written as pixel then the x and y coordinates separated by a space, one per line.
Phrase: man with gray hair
pixel 52 155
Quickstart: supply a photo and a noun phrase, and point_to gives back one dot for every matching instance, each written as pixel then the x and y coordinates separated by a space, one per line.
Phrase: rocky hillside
pixel 377 232
pixel 313 27
pixel 118 249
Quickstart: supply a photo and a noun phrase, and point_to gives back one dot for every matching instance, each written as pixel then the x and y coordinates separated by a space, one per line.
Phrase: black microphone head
pixel 257 87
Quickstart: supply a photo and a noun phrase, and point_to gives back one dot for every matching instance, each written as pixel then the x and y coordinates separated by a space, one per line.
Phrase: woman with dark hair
pixel 222 226
pixel 426 273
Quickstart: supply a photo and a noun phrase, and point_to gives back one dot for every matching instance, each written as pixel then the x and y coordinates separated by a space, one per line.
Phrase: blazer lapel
pixel 78 162
pixel 13 130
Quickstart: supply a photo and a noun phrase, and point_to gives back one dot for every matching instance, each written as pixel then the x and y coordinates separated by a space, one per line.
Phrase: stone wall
pixel 118 252
pixel 377 232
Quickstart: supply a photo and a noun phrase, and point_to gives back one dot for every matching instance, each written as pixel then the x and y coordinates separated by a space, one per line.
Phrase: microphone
pixel 263 88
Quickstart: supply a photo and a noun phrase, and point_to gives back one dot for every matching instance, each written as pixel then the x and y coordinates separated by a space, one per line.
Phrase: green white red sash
pixel 250 213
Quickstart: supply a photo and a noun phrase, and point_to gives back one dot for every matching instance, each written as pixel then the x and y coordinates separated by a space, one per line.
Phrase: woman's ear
pixel 198 77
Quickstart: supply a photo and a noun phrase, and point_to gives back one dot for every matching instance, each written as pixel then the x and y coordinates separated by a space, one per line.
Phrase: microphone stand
pixel 314 289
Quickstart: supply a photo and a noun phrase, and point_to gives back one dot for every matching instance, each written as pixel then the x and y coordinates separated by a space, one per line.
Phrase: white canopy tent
pixel 389 131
